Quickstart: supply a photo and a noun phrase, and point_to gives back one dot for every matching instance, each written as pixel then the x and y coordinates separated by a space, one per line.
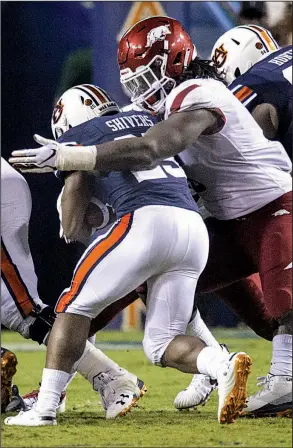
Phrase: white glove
pixel 53 155
pixel 38 160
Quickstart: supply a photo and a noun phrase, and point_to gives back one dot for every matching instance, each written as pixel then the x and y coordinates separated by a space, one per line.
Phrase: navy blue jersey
pixel 127 191
pixel 270 81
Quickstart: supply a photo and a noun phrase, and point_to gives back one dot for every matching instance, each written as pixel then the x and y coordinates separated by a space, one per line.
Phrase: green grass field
pixel 155 422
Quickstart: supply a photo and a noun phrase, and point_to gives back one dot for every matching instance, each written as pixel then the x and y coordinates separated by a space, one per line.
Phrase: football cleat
pixel 8 370
pixel 199 390
pixel 32 397
pixel 197 393
pixel 273 400
pixel 30 418
pixel 232 385
pixel 119 394
pixel 16 404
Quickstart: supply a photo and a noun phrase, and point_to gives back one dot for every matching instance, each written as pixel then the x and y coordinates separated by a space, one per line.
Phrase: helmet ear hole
pixel 237 72
pixel 82 99
pixel 177 59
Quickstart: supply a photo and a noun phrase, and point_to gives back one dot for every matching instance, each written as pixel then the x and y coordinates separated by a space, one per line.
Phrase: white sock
pixel 209 361
pixel 70 378
pixel 53 383
pixel 198 328
pixel 93 362
pixel 282 355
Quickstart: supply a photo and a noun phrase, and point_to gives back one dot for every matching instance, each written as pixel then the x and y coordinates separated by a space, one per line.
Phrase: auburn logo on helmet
pixel 57 112
pixel 220 56
pixel 157 34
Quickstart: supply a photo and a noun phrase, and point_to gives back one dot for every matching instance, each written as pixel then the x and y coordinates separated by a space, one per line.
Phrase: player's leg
pixel 245 298
pixel 169 308
pixel 273 227
pixel 108 270
pixel 166 344
pixel 223 267
pixel 201 386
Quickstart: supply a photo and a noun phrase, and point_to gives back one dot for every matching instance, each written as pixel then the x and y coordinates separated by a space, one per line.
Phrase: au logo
pixel 57 112
pixel 140 11
pixel 220 56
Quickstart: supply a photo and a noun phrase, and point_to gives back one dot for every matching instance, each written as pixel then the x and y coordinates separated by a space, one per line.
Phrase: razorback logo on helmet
pixel 57 112
pixel 220 56
pixel 157 34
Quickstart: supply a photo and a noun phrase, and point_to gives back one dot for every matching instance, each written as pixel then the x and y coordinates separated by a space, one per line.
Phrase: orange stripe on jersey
pixel 243 93
pixel 95 255
pixel 14 284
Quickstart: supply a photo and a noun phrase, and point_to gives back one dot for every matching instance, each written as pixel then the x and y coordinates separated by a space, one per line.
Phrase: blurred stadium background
pixel 47 47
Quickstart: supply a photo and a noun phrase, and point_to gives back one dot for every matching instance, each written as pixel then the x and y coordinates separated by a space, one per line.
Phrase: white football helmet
pixel 240 48
pixel 79 104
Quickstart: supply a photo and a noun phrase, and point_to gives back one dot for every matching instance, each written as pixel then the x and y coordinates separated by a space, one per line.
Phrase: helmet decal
pixel 157 34
pixel 57 112
pixel 220 56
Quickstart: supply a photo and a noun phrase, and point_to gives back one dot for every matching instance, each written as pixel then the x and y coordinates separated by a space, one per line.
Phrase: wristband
pixel 76 158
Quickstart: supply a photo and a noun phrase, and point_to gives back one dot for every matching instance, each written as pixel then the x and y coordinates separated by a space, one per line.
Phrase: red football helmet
pixel 152 55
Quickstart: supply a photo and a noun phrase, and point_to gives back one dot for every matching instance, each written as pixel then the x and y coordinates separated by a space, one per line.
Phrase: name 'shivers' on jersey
pixel 127 191
pixel 129 122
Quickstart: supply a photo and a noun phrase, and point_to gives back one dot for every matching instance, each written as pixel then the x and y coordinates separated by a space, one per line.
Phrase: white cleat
pixel 119 394
pixel 273 400
pixel 197 393
pixel 232 384
pixel 30 418
pixel 31 399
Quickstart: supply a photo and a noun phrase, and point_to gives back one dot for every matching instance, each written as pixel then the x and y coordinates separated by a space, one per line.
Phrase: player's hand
pixel 38 160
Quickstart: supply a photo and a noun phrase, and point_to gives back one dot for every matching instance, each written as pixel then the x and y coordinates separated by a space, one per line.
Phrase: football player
pixel 244 179
pixel 23 311
pixel 158 237
pixel 259 73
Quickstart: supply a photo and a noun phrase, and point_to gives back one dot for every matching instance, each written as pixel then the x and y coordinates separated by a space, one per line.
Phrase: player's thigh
pixel 111 267
pixel 227 262
pixel 12 315
pixel 275 260
pixel 168 310
pixel 17 267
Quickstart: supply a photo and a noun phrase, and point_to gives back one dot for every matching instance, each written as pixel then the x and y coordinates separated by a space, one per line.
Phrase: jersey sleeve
pixel 248 91
pixel 255 89
pixel 198 94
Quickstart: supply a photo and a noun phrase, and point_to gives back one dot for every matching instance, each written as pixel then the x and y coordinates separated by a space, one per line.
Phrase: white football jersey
pixel 239 169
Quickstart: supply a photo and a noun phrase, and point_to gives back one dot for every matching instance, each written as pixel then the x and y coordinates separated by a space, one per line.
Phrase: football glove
pixel 38 160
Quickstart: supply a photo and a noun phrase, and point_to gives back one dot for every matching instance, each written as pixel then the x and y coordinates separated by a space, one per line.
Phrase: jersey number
pixel 167 168
pixel 287 73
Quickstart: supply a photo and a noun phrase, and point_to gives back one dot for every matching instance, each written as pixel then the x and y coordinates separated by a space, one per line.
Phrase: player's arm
pixel 163 140
pixel 188 120
pixel 74 203
pixel 266 116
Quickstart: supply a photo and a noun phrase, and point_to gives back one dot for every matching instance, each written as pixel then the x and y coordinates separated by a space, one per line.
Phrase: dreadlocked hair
pixel 200 68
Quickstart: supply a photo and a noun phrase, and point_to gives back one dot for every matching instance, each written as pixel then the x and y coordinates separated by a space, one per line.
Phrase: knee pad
pixel 43 323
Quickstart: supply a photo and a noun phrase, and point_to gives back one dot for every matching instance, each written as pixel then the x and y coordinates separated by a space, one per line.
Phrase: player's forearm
pixel 74 202
pixel 127 154
pixel 165 139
